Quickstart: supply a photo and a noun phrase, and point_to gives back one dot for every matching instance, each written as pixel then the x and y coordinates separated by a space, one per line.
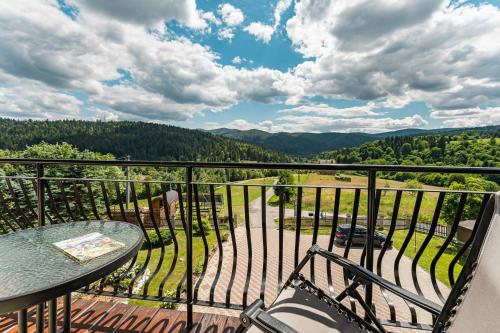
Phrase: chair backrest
pixel 474 300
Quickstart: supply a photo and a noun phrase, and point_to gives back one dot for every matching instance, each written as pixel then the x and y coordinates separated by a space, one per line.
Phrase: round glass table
pixel 33 270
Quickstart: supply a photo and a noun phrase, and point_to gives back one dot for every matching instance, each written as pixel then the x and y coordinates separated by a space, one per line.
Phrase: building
pixel 327 172
pixel 464 230
pixel 159 206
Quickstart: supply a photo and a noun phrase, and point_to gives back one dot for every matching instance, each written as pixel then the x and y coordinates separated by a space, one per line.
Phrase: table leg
pixel 53 316
pixel 22 321
pixel 67 313
pixel 40 318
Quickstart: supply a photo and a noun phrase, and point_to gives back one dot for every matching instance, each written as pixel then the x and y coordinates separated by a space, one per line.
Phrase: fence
pixel 188 265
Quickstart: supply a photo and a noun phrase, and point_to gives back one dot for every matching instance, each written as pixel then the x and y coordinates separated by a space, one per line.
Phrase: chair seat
pixel 306 313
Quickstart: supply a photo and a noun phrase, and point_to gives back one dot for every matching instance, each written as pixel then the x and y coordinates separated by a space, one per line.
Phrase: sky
pixel 274 65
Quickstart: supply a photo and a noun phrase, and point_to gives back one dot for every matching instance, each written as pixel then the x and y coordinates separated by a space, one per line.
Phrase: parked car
pixel 359 237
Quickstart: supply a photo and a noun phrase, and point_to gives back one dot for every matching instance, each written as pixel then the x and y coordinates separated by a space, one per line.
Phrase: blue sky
pixel 278 65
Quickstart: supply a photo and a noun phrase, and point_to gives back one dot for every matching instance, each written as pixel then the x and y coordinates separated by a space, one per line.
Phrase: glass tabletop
pixel 31 264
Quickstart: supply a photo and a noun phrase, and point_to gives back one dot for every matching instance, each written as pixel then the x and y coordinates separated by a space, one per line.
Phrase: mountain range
pixel 308 144
pixel 151 141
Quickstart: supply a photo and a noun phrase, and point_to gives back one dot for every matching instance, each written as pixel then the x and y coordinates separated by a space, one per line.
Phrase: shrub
pixel 224 236
pixel 169 305
pixel 124 283
pixel 205 226
pixel 198 268
pixel 413 184
pixel 155 240
pixel 343 178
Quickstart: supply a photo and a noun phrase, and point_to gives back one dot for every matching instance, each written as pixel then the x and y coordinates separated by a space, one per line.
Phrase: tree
pixel 285 178
pixel 473 203
pixel 436 153
pixel 406 149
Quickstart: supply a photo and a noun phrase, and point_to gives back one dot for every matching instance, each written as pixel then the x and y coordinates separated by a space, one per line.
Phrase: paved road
pixel 256 246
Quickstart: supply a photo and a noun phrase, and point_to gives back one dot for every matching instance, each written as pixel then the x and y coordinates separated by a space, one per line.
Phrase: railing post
pixel 371 222
pixel 189 247
pixel 40 194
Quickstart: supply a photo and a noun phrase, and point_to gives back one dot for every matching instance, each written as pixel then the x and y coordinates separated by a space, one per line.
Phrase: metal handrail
pixel 261 165
pixel 72 206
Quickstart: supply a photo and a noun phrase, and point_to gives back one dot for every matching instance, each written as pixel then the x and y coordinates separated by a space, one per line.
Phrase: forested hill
pixel 142 141
pixel 470 148
pixel 296 144
pixel 309 144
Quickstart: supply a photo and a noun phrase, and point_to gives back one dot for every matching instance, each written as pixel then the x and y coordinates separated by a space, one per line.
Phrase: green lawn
pixel 347 197
pixel 237 193
pixel 198 249
pixel 429 253
pixel 180 267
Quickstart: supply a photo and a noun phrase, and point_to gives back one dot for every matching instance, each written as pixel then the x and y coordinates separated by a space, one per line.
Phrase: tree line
pixel 141 141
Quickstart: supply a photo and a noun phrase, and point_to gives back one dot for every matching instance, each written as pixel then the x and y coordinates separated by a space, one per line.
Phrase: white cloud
pixel 236 60
pixel 365 124
pixel 244 125
pixel 231 15
pixel 171 79
pixel 35 101
pixel 210 17
pixel 326 110
pixel 264 32
pixel 261 31
pixel 148 12
pixel 430 51
pixel 473 117
pixel 324 124
pixel 226 33
pixel 445 56
pixel 281 6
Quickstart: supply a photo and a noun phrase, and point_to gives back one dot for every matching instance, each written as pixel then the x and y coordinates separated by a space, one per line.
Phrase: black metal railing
pixel 201 252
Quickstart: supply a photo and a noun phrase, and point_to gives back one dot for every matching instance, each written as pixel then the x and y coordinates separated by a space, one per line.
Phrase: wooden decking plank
pixel 180 323
pixel 13 316
pixel 233 325
pixel 136 321
pixel 101 317
pixel 8 321
pixel 162 321
pixel 211 323
pixel 90 316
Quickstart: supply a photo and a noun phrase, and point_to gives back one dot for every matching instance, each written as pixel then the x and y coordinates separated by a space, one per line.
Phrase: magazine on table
pixel 89 246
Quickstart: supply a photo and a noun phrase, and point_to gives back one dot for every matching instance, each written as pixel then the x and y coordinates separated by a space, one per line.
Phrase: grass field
pixel 237 193
pixel 347 196
pixel 429 254
pixel 198 250
pixel 180 268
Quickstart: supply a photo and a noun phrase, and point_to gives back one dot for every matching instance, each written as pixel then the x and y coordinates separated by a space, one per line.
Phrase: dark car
pixel 359 237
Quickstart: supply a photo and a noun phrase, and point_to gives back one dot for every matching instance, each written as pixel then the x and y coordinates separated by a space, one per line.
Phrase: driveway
pixel 271 283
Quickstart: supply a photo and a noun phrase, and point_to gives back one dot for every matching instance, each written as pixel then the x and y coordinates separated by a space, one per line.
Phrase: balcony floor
pixel 98 316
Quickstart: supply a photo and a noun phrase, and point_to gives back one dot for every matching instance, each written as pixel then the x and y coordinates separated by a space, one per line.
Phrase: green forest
pixel 139 140
pixel 469 148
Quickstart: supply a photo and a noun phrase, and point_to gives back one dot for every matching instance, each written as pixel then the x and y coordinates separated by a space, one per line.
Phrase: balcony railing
pixel 199 251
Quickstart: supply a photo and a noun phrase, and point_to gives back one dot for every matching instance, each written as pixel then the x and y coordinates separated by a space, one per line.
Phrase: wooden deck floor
pixel 97 316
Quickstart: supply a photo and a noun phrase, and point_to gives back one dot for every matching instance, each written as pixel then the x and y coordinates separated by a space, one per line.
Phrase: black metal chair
pixel 472 305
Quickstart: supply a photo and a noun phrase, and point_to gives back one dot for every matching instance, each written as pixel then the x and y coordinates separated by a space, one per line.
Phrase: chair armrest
pixel 369 277
pixel 255 315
